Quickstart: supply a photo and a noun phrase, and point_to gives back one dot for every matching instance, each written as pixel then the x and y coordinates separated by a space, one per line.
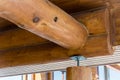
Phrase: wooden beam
pixel 116 20
pixel 50 26
pixel 50 52
pixel 79 73
pixel 91 19
pixel 114 66
pixel 6 25
pixel 69 6
pixel 96 45
pixel 78 5
pixel 94 73
pixel 15 39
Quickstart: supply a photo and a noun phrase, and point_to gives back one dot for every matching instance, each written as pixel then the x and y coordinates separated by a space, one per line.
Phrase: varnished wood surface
pixel 6 25
pixel 50 76
pixel 21 48
pixel 115 66
pixel 116 21
pixel 50 52
pixel 79 73
pixel 90 19
pixel 17 38
pixel 78 5
pixel 95 75
pixel 33 52
pixel 57 26
pixel 70 6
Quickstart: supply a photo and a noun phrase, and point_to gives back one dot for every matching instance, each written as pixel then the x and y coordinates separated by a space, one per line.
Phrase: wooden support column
pixel 50 76
pixel 57 26
pixel 43 76
pixel 33 77
pixel 79 73
pixel 94 73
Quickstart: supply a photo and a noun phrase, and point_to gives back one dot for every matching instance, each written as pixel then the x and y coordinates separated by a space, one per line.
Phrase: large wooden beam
pixel 50 52
pixel 78 5
pixel 17 38
pixel 57 26
pixel 116 21
pixel 91 19
pixel 97 43
pixel 69 6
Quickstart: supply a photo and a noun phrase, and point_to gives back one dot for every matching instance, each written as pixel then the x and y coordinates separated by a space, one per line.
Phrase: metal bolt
pixel 78 59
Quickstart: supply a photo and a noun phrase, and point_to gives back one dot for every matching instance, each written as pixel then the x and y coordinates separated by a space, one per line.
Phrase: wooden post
pixel 43 76
pixel 44 19
pixel 94 73
pixel 33 77
pixel 50 76
pixel 79 73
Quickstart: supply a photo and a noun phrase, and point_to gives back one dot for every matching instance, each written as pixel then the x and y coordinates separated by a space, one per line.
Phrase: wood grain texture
pixel 79 73
pixel 97 44
pixel 57 26
pixel 115 66
pixel 17 38
pixel 69 6
pixel 94 73
pixel 50 52
pixel 33 76
pixel 50 76
pixel 6 25
pixel 95 21
pixel 116 20
pixel 78 5
pixel 43 76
